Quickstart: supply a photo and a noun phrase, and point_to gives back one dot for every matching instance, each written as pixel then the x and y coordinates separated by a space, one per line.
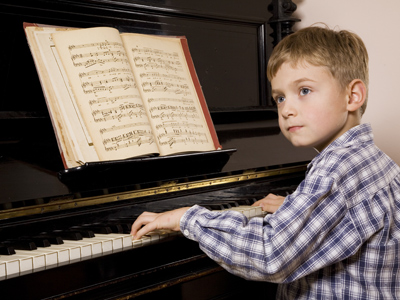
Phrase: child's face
pixel 311 105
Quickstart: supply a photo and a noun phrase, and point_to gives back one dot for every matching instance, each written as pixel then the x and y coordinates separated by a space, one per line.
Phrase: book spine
pixel 199 92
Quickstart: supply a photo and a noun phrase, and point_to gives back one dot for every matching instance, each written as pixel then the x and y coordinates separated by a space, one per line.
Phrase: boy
pixel 337 236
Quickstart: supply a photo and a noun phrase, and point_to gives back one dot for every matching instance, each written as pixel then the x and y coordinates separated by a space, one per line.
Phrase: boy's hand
pixel 271 203
pixel 152 221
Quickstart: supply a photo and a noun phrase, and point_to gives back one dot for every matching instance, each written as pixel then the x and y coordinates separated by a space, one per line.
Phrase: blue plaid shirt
pixel 336 237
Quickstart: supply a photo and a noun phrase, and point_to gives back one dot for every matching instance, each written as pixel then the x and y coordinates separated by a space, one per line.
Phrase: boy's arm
pixel 152 221
pixel 170 219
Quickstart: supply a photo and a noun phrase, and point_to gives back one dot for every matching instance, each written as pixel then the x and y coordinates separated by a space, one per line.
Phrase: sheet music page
pixel 65 115
pixel 168 92
pixel 106 92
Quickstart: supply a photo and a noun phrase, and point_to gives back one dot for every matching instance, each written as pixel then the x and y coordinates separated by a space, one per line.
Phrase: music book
pixel 114 96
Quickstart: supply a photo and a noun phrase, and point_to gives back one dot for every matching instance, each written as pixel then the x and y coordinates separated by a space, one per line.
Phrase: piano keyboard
pixel 73 247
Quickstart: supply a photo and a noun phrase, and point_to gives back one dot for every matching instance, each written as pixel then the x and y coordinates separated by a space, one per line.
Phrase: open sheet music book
pixel 115 95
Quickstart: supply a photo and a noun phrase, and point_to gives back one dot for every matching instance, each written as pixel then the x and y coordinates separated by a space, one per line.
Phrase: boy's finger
pixel 142 231
pixel 143 219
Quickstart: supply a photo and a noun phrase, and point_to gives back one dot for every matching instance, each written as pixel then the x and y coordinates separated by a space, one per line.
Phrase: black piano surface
pixel 229 42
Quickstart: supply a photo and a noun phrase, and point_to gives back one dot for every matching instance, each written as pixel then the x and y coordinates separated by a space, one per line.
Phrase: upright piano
pixel 63 233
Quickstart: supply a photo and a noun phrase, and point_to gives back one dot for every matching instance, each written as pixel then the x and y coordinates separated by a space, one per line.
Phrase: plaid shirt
pixel 336 237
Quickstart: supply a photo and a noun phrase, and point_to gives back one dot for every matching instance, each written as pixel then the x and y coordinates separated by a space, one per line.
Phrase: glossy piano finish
pixel 169 265
pixel 229 41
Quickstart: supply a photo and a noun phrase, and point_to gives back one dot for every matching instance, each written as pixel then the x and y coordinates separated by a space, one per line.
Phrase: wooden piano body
pixel 229 42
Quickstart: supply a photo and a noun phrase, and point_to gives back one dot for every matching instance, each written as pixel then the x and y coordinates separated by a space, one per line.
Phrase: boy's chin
pixel 304 145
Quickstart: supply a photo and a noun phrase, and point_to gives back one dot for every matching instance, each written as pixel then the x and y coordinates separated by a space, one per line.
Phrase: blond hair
pixel 342 52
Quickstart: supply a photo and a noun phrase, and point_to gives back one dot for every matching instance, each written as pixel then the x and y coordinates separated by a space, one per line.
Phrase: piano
pixel 64 234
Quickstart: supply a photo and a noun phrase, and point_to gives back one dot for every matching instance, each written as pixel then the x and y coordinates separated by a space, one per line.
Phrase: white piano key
pixel 249 211
pixel 38 259
pixel 95 244
pixel 16 264
pixel 145 239
pixel 126 239
pixel 10 264
pixel 2 270
pixel 259 211
pixel 25 264
pixel 61 252
pixel 154 236
pixel 163 233
pixel 73 252
pixel 136 243
pixel 51 256
pixel 85 248
pixel 115 239
pixel 106 244
pixel 242 210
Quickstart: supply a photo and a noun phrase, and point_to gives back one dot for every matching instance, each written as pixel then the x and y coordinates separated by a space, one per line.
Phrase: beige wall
pixel 378 24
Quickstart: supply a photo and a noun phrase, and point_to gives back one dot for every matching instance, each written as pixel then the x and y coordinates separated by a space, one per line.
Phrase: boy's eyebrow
pixel 302 80
pixel 296 82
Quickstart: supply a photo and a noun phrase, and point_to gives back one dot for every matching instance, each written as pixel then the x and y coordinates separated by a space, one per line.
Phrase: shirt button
pixel 186 232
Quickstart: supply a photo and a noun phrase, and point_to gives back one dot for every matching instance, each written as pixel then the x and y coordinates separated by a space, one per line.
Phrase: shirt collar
pixel 359 134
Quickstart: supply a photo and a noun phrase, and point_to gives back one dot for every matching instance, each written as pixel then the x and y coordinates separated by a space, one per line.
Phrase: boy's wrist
pixel 188 220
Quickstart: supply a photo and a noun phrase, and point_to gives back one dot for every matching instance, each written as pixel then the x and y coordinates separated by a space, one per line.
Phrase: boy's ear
pixel 357 94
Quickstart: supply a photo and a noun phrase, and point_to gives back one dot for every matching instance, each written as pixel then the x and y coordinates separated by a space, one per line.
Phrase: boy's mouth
pixel 294 128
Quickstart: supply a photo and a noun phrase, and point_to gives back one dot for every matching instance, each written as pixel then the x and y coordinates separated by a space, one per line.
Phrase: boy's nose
pixel 289 109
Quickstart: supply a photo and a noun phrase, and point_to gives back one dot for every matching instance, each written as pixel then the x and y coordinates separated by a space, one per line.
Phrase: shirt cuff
pixel 188 221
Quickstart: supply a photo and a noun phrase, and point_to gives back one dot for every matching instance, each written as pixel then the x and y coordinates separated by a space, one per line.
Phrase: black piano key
pixel 128 220
pixel 6 250
pixel 248 200
pixel 242 202
pixel 86 233
pixel 115 227
pixel 280 191
pixel 21 244
pixel 251 200
pixel 97 228
pixel 213 206
pixel 125 225
pixel 205 206
pixel 221 205
pixel 232 203
pixel 54 239
pixel 67 235
pixel 40 241
pixel 30 242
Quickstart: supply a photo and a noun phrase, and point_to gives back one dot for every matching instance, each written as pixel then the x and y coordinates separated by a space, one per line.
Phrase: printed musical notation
pixel 157 75
pixel 132 138
pixel 170 96
pixel 91 54
pixel 99 56
pixel 125 110
pixel 117 133
pixel 177 122
pixel 172 133
pixel 106 77
pixel 160 86
pixel 108 84
pixel 148 58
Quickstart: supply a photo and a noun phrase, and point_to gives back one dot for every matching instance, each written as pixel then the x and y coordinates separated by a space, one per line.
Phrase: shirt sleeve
pixel 309 231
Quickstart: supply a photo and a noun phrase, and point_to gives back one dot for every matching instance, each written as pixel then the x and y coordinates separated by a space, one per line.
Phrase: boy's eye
pixel 279 99
pixel 304 91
